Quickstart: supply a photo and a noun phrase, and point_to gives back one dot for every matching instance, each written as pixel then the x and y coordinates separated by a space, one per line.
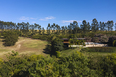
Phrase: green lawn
pixel 88 54
pixel 69 51
pixel 98 53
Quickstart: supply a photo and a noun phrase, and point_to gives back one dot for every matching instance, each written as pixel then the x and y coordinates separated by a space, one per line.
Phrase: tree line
pixel 72 28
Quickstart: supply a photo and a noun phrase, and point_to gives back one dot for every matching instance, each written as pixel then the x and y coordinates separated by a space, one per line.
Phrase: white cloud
pixel 33 22
pixel 47 18
pixel 33 18
pixel 26 18
pixel 69 21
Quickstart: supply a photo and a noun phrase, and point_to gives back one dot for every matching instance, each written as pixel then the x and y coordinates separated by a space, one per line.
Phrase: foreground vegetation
pixel 76 64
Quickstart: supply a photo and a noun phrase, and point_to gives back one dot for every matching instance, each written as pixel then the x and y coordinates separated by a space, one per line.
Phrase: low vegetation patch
pixel 99 49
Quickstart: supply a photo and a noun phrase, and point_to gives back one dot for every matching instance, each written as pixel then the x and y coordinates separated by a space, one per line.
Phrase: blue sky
pixel 61 12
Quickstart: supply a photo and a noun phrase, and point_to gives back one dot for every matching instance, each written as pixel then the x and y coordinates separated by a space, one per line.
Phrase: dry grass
pixel 24 46
pixel 34 44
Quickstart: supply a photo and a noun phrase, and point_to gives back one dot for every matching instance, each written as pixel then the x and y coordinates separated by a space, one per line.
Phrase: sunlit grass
pixel 35 44
pixel 69 51
pixel 4 50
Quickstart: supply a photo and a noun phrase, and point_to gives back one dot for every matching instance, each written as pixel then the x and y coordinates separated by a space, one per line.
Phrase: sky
pixel 61 12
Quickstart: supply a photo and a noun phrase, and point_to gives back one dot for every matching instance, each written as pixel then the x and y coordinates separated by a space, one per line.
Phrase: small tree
pixel 56 45
pixel 10 38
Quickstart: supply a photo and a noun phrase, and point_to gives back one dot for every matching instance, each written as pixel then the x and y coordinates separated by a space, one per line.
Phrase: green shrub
pixel 35 36
pixel 58 54
pixel 108 66
pixel 34 57
pixel 10 38
pixel 56 45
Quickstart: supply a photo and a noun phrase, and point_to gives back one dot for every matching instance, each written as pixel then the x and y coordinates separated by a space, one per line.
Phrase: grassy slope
pixel 24 46
pixel 69 51
pixel 88 54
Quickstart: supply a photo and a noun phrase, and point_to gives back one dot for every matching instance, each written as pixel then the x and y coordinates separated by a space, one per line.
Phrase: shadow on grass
pixel 49 50
pixel 3 40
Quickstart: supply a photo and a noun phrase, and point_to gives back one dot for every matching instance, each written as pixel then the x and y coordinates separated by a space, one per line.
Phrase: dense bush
pixel 10 38
pixel 109 65
pixel 104 66
pixel 111 39
pixel 76 42
pixel 56 44
pixel 74 65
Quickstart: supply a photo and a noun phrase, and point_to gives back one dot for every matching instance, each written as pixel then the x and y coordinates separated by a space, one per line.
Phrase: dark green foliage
pixel 109 65
pixel 74 65
pixel 85 26
pixel 10 38
pixel 94 25
pixel 109 25
pixel 72 36
pixel 13 65
pixel 111 39
pixel 104 66
pixel 56 44
pixel 76 42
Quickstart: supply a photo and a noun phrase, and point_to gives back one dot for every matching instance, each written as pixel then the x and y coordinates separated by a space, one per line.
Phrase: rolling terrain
pixel 24 46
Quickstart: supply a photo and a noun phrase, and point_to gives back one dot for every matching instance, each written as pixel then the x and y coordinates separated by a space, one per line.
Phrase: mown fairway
pixel 24 46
